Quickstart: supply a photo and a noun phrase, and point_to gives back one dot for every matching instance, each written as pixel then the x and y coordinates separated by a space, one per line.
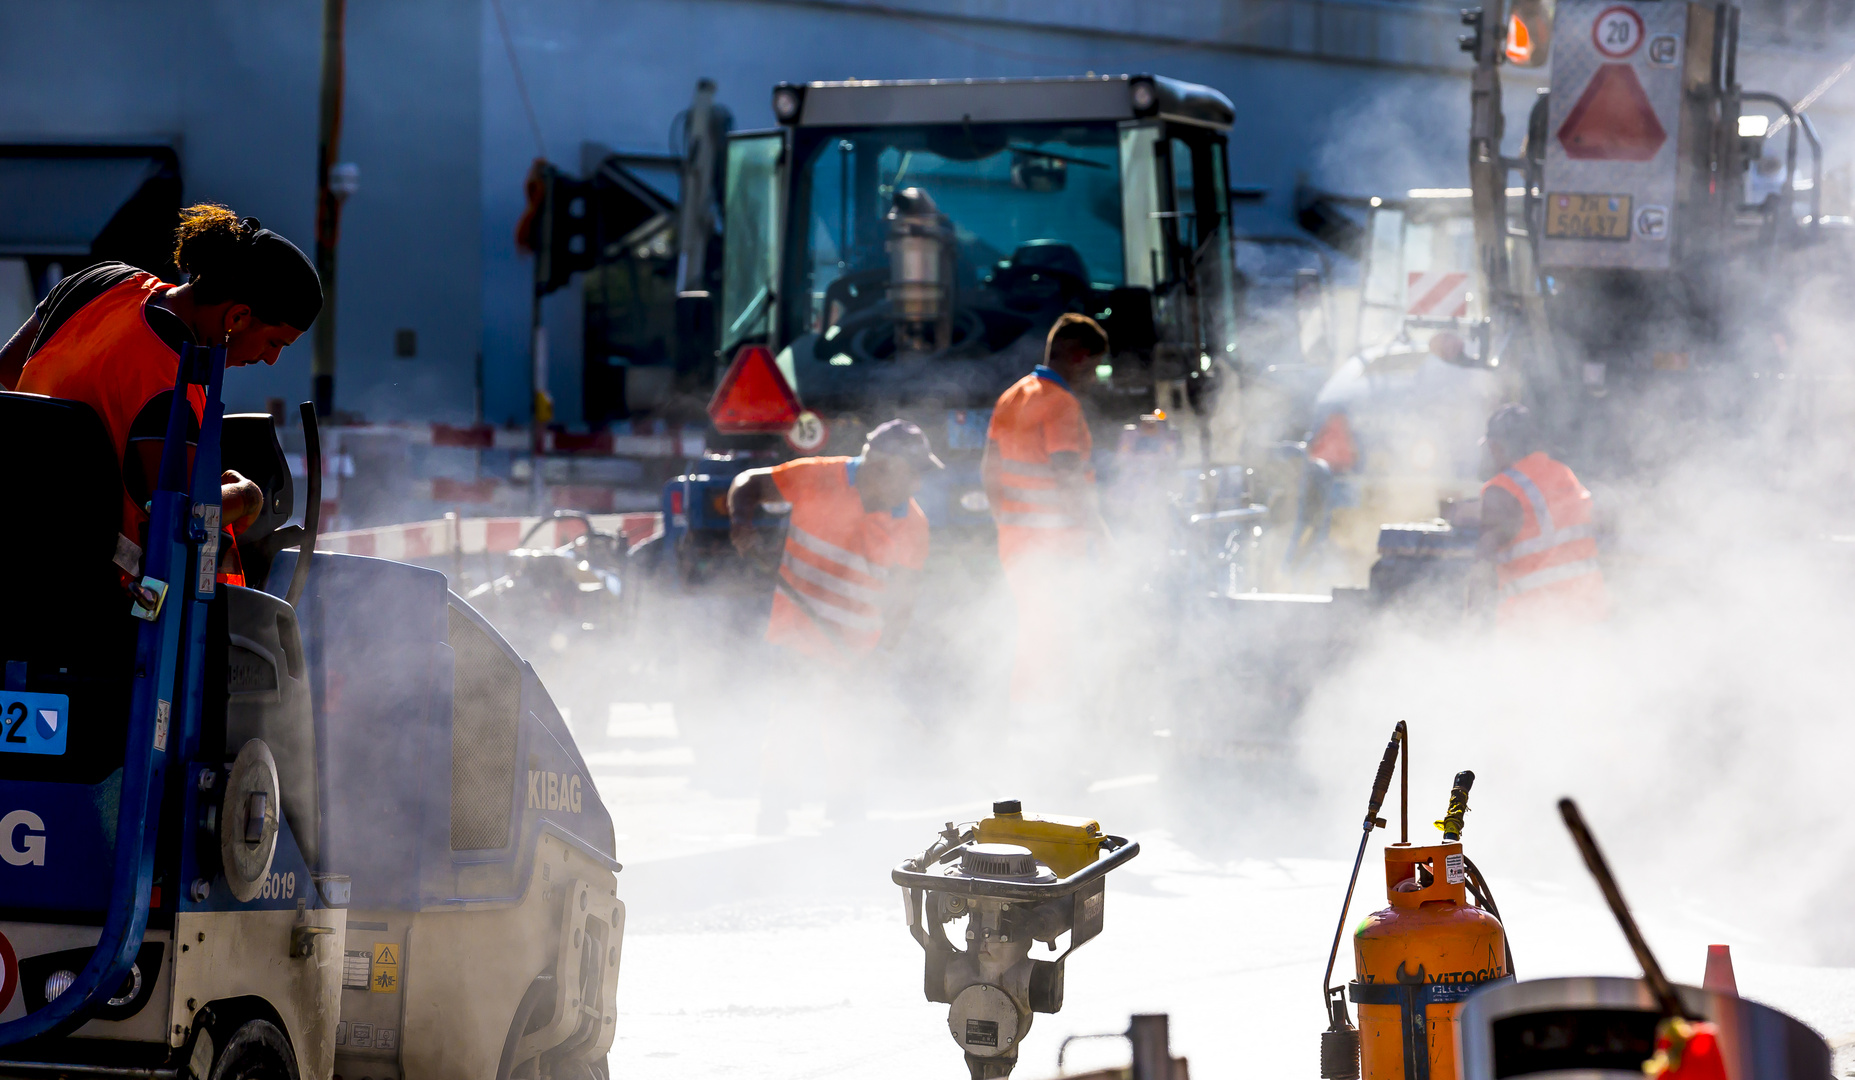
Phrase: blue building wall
pixel 233 86
pixel 1363 95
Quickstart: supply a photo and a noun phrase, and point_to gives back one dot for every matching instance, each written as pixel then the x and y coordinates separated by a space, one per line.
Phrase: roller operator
pixel 110 336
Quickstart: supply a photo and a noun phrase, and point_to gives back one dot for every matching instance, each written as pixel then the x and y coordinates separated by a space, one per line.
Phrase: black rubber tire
pixel 256 1051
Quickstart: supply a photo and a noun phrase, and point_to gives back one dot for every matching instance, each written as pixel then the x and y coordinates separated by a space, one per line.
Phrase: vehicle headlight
pixel 975 502
pixel 58 982
pixel 787 100
pixel 1142 95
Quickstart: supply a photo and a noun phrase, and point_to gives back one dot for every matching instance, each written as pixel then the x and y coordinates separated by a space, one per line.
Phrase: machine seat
pixel 67 617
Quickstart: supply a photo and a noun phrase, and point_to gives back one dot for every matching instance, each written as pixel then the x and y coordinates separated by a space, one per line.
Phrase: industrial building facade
pixel 447 102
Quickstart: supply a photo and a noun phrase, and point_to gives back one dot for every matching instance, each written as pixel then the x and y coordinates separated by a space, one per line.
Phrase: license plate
pixel 33 723
pixel 1588 217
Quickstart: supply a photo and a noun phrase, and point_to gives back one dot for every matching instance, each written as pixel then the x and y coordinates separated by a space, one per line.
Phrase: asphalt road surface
pixel 786 956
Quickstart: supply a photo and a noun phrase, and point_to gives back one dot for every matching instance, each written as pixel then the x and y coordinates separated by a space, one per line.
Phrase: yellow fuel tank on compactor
pixel 1064 844
pixel 1417 960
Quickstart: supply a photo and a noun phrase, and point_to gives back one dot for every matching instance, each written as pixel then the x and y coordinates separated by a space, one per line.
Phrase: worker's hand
pixel 240 500
pixel 746 539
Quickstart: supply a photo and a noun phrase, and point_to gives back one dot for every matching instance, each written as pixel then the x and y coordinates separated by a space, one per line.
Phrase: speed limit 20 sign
pixel 1617 32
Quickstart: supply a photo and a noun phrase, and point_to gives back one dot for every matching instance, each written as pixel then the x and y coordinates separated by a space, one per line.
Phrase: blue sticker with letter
pixel 33 723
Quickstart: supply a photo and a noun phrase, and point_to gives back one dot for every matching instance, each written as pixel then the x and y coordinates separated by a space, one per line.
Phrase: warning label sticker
pixel 384 978
pixel 1453 869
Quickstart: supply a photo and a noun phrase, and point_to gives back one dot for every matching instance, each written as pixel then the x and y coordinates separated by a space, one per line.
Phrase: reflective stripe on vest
pixel 832 552
pixel 1551 575
pixel 1032 469
pixel 1549 537
pixel 1040 498
pixel 1557 564
pixel 844 600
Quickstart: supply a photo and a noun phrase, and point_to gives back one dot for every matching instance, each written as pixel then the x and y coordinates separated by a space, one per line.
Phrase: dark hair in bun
pixel 232 259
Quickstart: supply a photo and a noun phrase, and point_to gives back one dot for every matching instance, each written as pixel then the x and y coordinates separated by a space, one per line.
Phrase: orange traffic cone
pixel 1719 977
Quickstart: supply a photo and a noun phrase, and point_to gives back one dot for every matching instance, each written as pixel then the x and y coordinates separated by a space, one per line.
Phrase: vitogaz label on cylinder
pixel 1452 867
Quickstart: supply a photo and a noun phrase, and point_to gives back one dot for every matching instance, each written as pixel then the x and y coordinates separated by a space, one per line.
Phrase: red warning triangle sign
pixel 1612 120
pixel 753 396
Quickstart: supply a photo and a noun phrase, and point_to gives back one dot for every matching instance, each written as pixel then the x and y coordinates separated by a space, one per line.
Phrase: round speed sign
pixel 1618 32
pixel 808 432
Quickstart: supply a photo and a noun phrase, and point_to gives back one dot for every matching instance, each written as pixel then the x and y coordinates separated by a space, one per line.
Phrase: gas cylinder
pixel 1417 960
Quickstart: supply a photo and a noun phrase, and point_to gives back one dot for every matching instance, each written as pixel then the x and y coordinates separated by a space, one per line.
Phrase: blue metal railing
pixel 178 518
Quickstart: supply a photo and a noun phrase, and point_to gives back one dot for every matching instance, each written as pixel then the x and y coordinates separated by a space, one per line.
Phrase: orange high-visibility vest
pixel 1551 567
pixel 1037 417
pixel 108 357
pixel 838 556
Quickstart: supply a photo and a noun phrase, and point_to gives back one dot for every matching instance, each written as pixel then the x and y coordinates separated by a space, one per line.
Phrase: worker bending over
pixel 110 337
pixel 1536 528
pixel 1041 487
pixel 855 545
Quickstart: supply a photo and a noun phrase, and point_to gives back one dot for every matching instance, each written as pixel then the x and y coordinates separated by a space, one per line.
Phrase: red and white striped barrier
pixel 1437 294
pixel 452 535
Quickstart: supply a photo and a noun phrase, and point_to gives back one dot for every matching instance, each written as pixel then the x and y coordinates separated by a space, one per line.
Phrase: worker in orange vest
pixel 1536 528
pixel 1042 491
pixel 110 337
pixel 856 542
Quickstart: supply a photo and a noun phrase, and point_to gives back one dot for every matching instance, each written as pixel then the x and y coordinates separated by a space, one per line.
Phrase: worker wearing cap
pixel 856 542
pixel 110 337
pixel 1041 488
pixel 1536 528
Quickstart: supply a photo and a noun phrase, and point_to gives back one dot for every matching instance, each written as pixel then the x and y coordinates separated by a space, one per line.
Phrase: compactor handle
pixel 1381 784
pixel 312 509
pixel 1458 805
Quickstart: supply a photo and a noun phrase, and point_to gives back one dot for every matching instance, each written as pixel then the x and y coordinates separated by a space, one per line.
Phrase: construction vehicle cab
pixel 1649 253
pixel 902 248
pixel 246 836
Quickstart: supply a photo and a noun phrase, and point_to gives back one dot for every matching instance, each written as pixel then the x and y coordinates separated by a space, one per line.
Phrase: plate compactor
pixel 1016 879
pixel 332 827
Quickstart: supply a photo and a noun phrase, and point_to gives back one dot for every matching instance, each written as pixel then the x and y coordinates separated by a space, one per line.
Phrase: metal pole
pixel 1152 1047
pixel 328 203
pixel 540 413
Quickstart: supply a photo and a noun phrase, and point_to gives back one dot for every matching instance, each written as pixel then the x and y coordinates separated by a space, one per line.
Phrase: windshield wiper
pixel 1032 150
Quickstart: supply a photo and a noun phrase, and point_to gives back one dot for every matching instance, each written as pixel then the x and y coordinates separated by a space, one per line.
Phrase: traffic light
pixel 1474 19
pixel 558 226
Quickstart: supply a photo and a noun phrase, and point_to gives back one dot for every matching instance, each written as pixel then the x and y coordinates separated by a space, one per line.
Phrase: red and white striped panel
pixel 1437 295
pixel 479 536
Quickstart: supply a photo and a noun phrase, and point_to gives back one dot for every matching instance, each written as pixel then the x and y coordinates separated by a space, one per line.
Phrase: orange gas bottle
pixel 1417 960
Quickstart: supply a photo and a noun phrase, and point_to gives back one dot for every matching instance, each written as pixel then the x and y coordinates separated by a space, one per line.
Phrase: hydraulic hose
pixel 1381 784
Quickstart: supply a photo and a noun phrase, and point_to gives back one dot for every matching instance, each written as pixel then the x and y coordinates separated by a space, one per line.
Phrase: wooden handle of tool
pixel 1659 985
